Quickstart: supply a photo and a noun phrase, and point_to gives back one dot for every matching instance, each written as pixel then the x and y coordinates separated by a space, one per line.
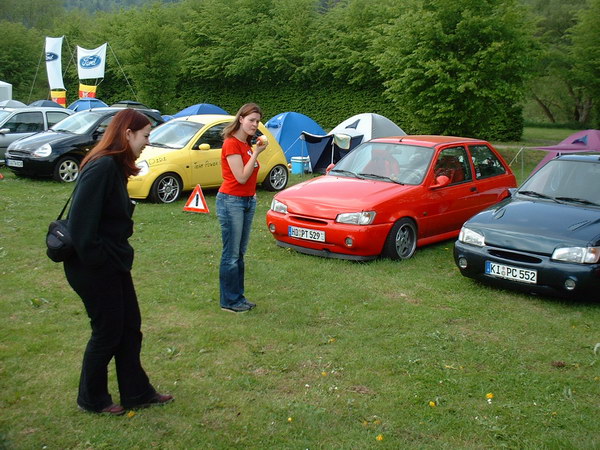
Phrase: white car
pixel 17 123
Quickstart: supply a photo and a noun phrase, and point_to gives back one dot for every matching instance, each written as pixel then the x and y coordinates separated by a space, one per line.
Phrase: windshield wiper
pixel 345 172
pixel 583 201
pixel 537 195
pixel 379 177
pixel 158 144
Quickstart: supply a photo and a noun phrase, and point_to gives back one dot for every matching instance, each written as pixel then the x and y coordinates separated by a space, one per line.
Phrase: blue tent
pixel 200 108
pixel 287 128
pixel 86 103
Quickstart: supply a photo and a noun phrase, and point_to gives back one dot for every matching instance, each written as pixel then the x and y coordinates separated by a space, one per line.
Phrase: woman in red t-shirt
pixel 236 203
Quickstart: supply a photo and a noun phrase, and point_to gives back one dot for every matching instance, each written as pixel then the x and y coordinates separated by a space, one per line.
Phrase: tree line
pixel 463 67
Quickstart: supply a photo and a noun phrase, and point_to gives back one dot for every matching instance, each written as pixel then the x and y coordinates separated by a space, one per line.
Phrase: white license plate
pixel 14 163
pixel 511 273
pixel 305 233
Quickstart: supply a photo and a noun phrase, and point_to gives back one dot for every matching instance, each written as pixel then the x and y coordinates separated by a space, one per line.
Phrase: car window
pixel 453 162
pixel 153 121
pixel 174 134
pixel 104 124
pixel 212 136
pixel 566 180
pixel 3 115
pixel 25 122
pixel 485 162
pixel 79 123
pixel 54 117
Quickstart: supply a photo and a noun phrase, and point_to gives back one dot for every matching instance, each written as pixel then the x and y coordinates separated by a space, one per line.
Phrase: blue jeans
pixel 235 216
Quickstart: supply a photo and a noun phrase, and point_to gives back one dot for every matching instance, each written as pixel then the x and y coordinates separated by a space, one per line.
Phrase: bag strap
pixel 65 207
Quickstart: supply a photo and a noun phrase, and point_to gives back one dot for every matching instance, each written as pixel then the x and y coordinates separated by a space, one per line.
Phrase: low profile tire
pixel 401 243
pixel 166 188
pixel 277 178
pixel 66 169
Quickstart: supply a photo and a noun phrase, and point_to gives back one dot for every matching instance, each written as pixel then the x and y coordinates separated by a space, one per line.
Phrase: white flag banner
pixel 53 62
pixel 90 63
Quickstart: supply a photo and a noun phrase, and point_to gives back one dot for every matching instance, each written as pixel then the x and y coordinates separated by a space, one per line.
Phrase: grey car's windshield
pixel 398 163
pixel 174 134
pixel 567 181
pixel 3 115
pixel 79 123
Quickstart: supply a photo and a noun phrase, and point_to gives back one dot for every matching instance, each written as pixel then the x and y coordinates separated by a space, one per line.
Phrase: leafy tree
pixel 459 67
pixel 341 48
pixel 586 58
pixel 31 13
pixel 553 88
pixel 152 53
pixel 21 53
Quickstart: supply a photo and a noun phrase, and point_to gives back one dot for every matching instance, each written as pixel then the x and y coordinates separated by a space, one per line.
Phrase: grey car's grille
pixel 515 256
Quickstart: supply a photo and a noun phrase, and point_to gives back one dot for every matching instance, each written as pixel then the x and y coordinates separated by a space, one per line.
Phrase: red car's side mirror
pixel 329 167
pixel 440 182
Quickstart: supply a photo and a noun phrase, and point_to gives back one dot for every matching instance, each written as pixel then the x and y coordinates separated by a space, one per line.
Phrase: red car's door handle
pixel 473 189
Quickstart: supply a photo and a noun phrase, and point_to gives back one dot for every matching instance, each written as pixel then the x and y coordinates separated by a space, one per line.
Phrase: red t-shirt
pixel 233 146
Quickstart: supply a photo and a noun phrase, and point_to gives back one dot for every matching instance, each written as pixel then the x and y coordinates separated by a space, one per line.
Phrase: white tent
pixel 330 148
pixel 5 91
pixel 369 126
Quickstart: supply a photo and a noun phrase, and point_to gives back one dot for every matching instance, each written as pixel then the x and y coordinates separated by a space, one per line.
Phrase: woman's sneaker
pixel 243 307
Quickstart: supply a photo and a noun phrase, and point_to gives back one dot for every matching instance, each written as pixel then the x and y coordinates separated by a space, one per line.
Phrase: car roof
pixel 427 140
pixel 37 108
pixel 107 109
pixel 593 157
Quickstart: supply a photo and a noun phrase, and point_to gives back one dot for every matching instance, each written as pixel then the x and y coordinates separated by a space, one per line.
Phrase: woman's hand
pixel 261 143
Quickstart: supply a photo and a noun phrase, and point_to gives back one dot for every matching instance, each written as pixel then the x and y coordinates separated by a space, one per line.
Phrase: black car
pixel 57 152
pixel 545 238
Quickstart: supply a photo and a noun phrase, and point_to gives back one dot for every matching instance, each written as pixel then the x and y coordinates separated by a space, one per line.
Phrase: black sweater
pixel 100 216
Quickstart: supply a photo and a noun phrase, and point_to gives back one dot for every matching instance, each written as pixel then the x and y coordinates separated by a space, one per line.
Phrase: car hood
pixel 37 140
pixel 151 152
pixel 537 226
pixel 327 196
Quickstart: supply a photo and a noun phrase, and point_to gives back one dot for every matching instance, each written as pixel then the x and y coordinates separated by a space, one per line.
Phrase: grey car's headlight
pixel 279 207
pixel 144 168
pixel 581 255
pixel 43 151
pixel 356 218
pixel 468 236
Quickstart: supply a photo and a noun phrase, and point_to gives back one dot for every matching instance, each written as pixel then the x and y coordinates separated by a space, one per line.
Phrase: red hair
pixel 115 143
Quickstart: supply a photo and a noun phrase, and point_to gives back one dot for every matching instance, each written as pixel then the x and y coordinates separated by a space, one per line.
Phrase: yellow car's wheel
pixel 166 188
pixel 277 178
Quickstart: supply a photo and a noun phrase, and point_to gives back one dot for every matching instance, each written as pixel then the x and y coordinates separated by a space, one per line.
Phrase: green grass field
pixel 337 354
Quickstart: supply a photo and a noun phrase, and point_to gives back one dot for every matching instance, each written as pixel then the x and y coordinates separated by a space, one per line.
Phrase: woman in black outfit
pixel 100 272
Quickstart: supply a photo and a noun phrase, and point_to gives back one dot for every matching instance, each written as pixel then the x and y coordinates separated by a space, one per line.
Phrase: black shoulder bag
pixel 58 240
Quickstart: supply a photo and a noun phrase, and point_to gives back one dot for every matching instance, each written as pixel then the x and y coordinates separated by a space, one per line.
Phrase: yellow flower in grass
pixel 489 395
pixel 290 419
pixel 130 414
pixel 432 404
pixel 379 437
pixel 324 373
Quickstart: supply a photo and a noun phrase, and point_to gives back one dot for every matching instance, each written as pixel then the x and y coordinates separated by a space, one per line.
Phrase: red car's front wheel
pixel 401 243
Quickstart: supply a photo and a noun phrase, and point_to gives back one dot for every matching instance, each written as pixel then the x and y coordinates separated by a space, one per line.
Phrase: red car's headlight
pixel 357 218
pixel 279 207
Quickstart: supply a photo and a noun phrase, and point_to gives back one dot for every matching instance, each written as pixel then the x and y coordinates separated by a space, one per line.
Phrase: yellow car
pixel 185 152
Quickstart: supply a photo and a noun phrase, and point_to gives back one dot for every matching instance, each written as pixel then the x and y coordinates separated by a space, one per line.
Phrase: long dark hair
pixel 114 142
pixel 244 111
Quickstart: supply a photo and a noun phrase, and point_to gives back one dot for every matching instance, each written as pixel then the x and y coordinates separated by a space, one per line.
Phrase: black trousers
pixel 111 304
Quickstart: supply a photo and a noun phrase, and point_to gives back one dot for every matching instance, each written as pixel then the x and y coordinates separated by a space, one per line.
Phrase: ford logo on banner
pixel 88 62
pixel 51 56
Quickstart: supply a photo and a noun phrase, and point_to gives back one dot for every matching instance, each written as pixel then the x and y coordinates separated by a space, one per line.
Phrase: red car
pixel 389 196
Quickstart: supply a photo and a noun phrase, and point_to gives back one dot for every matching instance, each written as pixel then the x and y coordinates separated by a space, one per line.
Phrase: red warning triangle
pixel 196 202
